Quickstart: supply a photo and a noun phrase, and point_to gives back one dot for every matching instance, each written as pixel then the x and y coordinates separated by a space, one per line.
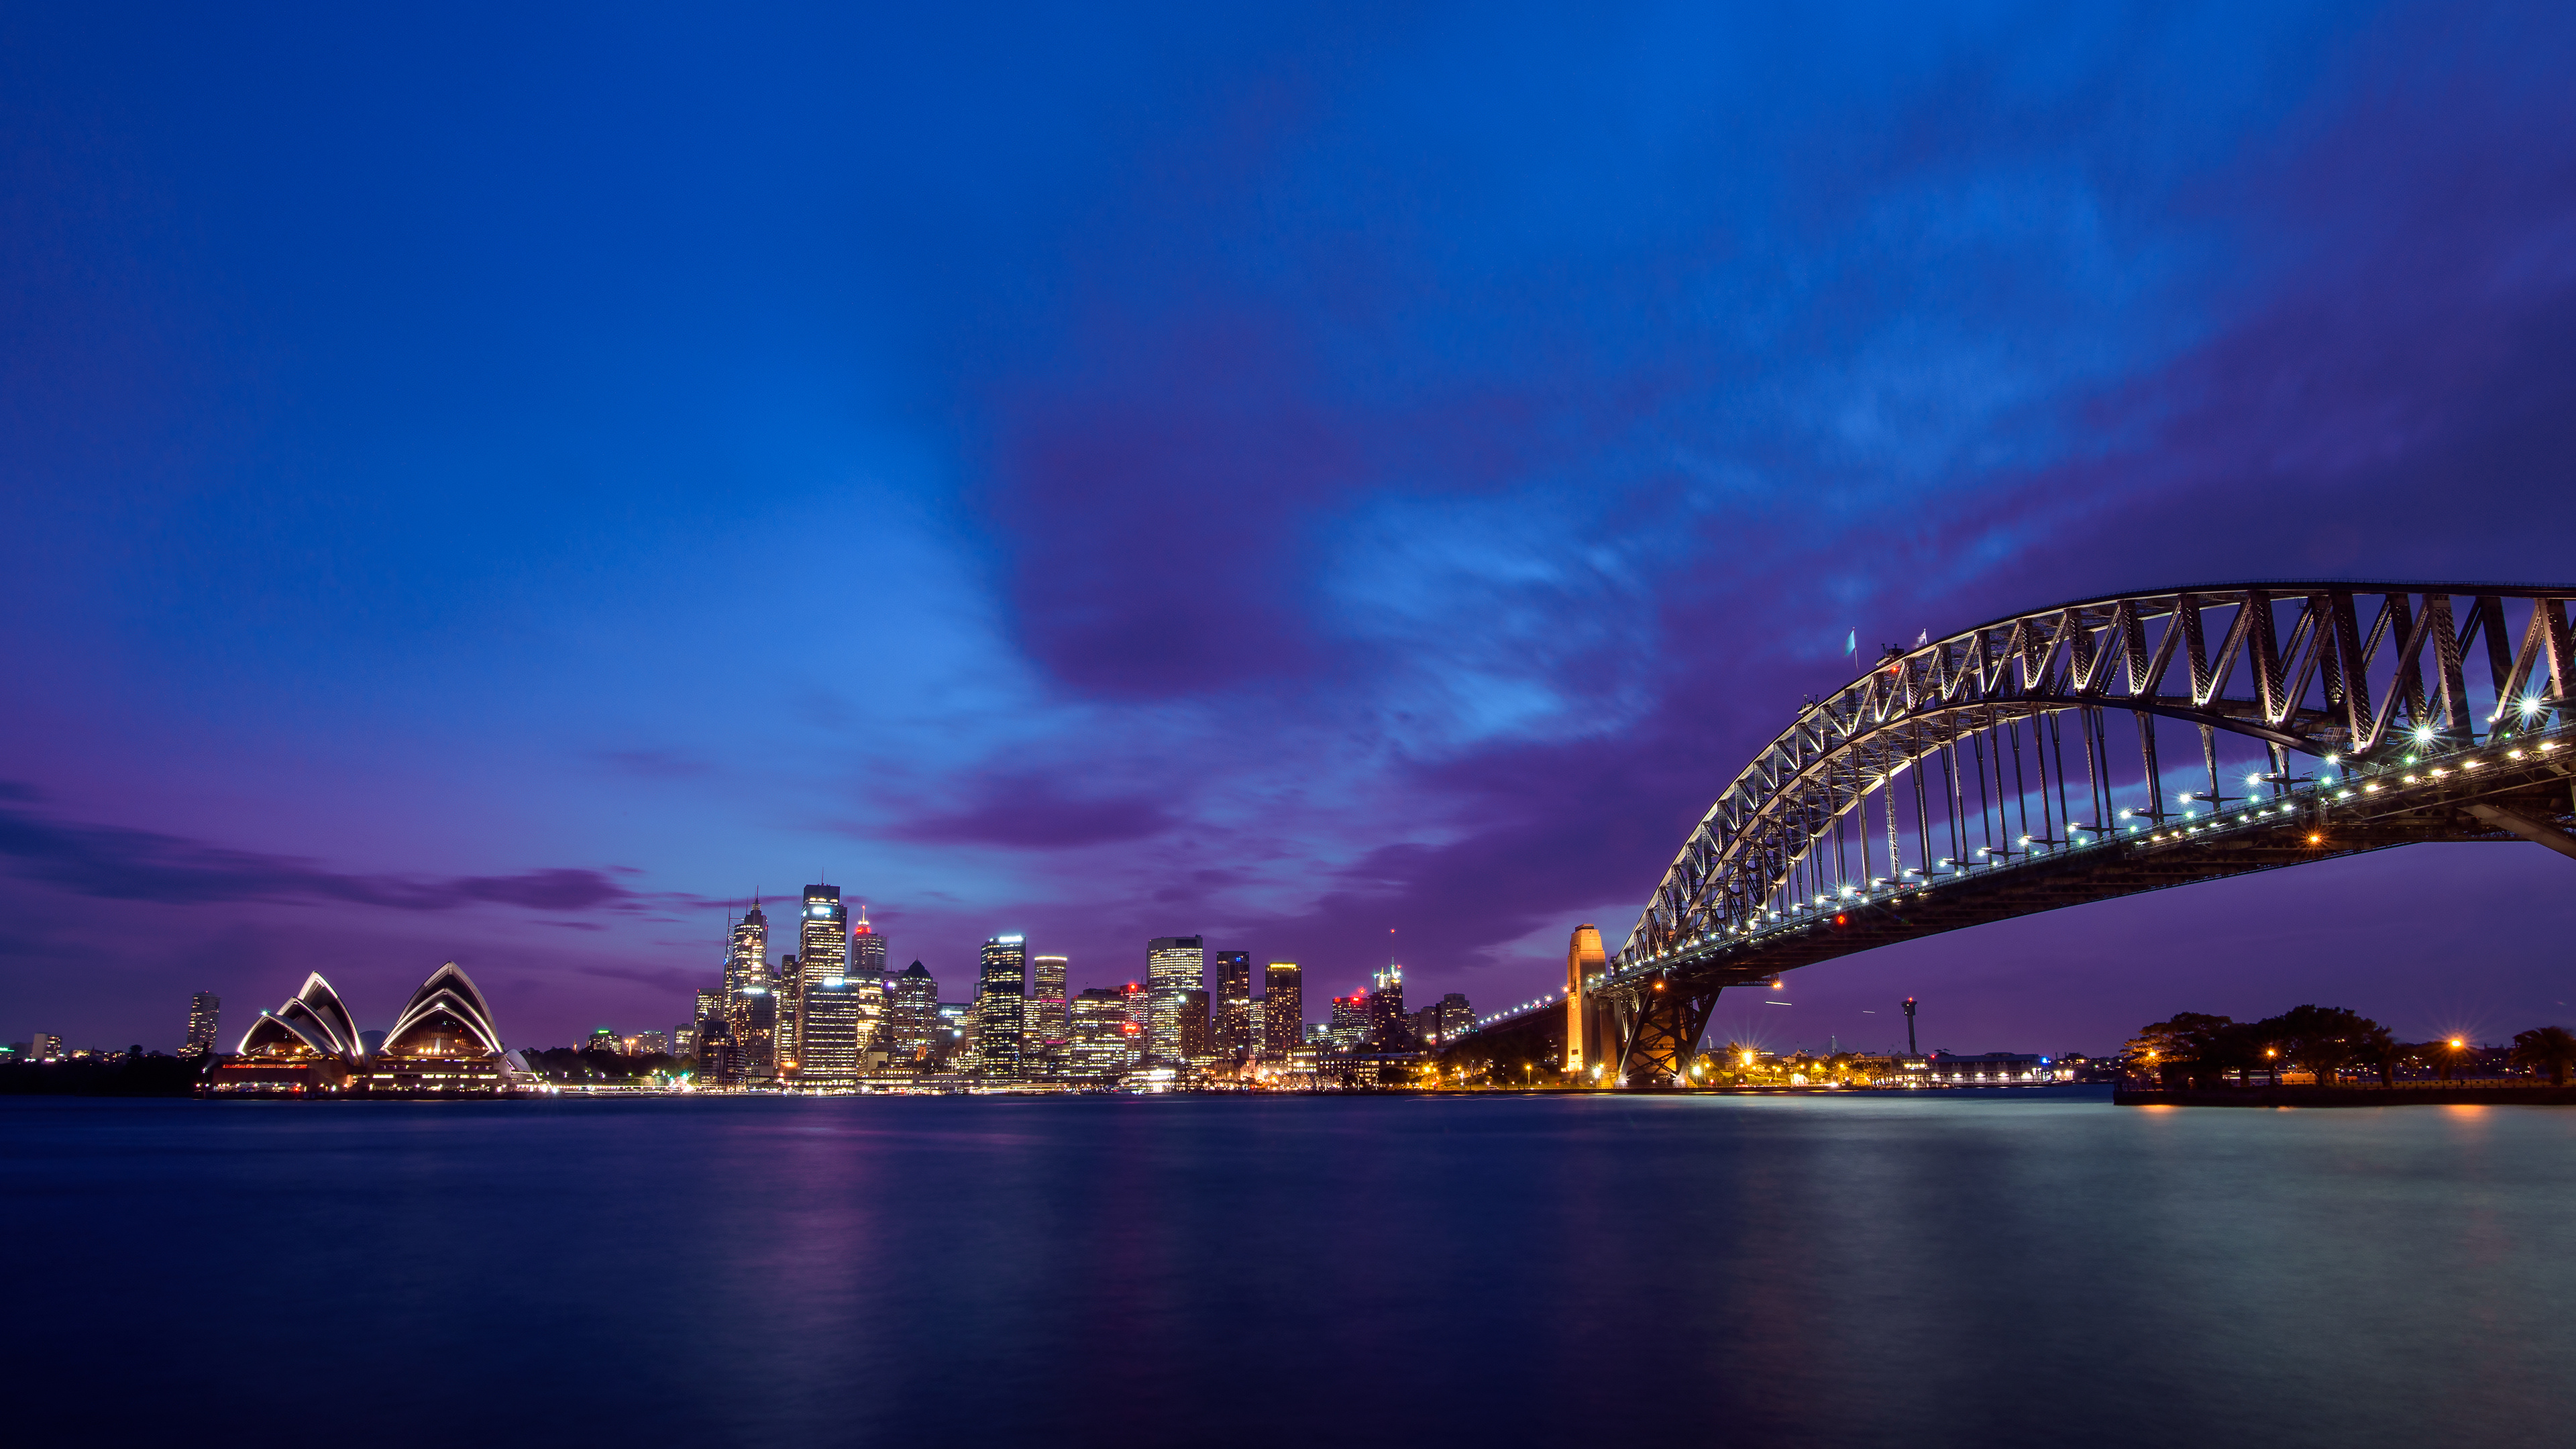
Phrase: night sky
pixel 502 484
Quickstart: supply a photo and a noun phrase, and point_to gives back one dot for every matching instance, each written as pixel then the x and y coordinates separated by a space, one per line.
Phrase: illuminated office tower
pixel 1173 965
pixel 1231 1037
pixel 684 1041
pixel 1455 1015
pixel 822 954
pixel 756 1040
pixel 1042 1025
pixel 709 1003
pixel 912 1014
pixel 1104 1041
pixel 1001 999
pixel 867 949
pixel 1283 1009
pixel 1196 1048
pixel 204 1009
pixel 836 1024
pixel 1350 1028
pixel 1386 1023
pixel 1252 1026
pixel 747 953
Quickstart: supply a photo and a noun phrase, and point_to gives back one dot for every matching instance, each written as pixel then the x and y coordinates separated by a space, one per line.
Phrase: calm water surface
pixel 1318 1272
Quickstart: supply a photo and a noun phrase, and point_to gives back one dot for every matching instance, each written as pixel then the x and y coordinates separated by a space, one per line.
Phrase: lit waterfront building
pixel 1283 1009
pixel 837 1024
pixel 1043 1030
pixel 1107 1042
pixel 204 1010
pixel 747 954
pixel 443 1043
pixel 912 1014
pixel 1230 1035
pixel 822 954
pixel 1350 1025
pixel 1386 1023
pixel 1001 1001
pixel 1173 965
pixel 1196 1048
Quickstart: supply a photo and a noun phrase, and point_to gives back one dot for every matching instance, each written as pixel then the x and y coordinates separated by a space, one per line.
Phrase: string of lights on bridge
pixel 2325 788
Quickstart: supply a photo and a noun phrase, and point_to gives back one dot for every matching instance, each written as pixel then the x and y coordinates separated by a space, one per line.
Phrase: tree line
pixel 2197 1049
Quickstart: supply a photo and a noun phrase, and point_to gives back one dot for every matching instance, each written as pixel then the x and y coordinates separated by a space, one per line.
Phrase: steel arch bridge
pixel 2030 763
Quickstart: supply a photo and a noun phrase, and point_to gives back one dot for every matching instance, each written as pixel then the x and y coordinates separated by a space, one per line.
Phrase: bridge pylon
pixel 1658 1025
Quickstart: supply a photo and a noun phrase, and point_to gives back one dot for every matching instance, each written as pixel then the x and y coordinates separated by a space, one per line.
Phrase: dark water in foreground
pixel 1314 1271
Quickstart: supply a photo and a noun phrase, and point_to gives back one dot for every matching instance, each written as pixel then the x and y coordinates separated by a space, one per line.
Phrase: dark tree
pixel 2553 1047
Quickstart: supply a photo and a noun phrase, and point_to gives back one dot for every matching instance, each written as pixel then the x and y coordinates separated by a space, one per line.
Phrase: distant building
pixel 44 1046
pixel 957 1034
pixel 204 1010
pixel 1442 1019
pixel 1173 965
pixel 1043 1023
pixel 1987 1069
pixel 822 954
pixel 1106 1041
pixel 1386 1023
pixel 867 949
pixel 1001 1001
pixel 1196 1048
pixel 912 1014
pixel 709 1003
pixel 1231 1033
pixel 755 1038
pixel 837 1023
pixel 684 1042
pixel 1350 1025
pixel 747 954
pixel 647 1044
pixel 443 1043
pixel 604 1040
pixel 1283 1009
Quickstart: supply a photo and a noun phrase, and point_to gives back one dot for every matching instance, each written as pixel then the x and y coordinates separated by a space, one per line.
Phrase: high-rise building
pixel 867 949
pixel 1386 1024
pixel 1231 1035
pixel 1455 1016
pixel 1350 1028
pixel 1252 1024
pixel 204 1010
pixel 646 1044
pixel 1001 1000
pixel 1173 965
pixel 756 1039
pixel 684 1041
pixel 709 1003
pixel 1106 1041
pixel 604 1040
pixel 1196 1049
pixel 822 954
pixel 837 1023
pixel 912 1015
pixel 1043 1030
pixel 747 953
pixel 1283 1009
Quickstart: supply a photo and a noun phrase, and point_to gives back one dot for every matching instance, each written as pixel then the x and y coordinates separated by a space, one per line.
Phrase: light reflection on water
pixel 1944 1269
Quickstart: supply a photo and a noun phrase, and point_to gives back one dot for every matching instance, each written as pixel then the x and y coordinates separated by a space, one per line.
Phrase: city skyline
pixel 1297 478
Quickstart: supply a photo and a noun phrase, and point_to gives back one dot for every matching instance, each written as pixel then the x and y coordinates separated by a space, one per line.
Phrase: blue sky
pixel 501 487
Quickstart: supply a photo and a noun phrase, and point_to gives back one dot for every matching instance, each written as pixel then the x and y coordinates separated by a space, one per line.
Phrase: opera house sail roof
pixel 443 1043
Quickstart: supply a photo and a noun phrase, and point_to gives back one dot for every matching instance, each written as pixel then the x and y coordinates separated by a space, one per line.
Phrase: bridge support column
pixel 1663 1028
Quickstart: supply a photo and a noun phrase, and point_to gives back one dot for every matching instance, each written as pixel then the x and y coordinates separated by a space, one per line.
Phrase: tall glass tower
pixel 204 1010
pixel 822 954
pixel 1233 1005
pixel 1283 1009
pixel 1001 1002
pixel 747 953
pixel 1043 1032
pixel 1173 965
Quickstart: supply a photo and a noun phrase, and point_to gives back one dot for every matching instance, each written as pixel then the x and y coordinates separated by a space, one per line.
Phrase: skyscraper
pixel 1283 1009
pixel 1386 1023
pixel 204 1010
pixel 912 1016
pixel 747 953
pixel 1043 1030
pixel 835 1025
pixel 1196 1049
pixel 1232 1037
pixel 867 949
pixel 1001 999
pixel 1105 1040
pixel 822 954
pixel 1173 965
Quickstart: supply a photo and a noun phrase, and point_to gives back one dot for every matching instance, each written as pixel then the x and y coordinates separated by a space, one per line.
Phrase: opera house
pixel 443 1044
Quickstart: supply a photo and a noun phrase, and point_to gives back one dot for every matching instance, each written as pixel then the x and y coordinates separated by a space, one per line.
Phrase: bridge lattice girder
pixel 2327 683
